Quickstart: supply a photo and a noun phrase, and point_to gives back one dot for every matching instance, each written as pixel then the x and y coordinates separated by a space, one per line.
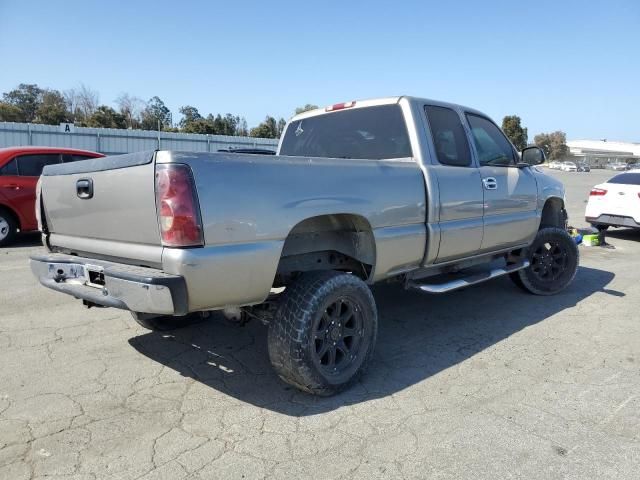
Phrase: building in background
pixel 599 153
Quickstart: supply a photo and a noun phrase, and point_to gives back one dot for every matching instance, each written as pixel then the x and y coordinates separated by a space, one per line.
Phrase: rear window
pixel 626 179
pixel 373 132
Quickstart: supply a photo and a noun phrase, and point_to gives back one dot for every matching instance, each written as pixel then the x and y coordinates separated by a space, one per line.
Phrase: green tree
pixel 189 114
pixel 226 125
pixel 306 108
pixel 199 125
pixel 10 113
pixel 553 144
pixel 267 129
pixel 27 98
pixel 52 109
pixel 155 114
pixel 513 129
pixel 106 117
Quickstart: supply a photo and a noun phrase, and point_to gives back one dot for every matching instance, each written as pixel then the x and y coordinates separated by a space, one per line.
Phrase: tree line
pixel 553 144
pixel 30 103
pixel 33 104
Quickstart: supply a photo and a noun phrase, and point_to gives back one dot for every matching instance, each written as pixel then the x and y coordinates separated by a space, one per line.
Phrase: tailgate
pixel 103 206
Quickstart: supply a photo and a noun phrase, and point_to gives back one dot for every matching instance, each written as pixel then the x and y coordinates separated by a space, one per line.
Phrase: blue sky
pixel 569 65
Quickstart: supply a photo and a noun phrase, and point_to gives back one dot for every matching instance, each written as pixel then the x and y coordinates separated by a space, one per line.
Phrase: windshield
pixel 373 132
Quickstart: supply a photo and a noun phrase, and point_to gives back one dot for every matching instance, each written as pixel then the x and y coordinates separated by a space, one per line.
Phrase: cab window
pixel 32 165
pixel 376 133
pixel 492 146
pixel 449 138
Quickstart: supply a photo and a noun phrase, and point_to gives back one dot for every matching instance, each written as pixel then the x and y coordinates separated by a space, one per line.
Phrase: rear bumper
pixel 614 221
pixel 109 284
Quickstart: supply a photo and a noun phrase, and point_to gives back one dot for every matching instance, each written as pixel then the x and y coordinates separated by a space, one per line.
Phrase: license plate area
pixel 95 276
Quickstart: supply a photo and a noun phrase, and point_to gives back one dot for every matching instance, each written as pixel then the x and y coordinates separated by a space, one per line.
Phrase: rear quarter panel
pixel 250 203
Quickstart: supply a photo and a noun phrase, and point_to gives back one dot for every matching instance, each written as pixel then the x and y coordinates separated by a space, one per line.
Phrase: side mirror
pixel 533 156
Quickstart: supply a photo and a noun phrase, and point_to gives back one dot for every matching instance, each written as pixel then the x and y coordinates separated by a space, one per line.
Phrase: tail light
pixel 597 192
pixel 177 206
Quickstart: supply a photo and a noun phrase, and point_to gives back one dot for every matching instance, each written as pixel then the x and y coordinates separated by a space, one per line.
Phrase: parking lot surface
pixel 488 382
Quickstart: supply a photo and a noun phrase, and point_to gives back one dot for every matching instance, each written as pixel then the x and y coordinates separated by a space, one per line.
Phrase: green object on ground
pixel 592 240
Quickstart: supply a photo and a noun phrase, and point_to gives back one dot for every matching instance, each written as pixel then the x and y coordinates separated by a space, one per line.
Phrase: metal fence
pixel 114 141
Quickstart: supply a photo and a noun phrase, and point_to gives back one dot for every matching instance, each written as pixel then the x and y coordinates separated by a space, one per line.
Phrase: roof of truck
pixel 382 101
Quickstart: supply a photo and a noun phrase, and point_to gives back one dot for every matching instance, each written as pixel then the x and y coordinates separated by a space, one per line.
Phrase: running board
pixel 469 280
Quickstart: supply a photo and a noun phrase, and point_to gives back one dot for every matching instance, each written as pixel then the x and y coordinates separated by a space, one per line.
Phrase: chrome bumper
pixel 108 284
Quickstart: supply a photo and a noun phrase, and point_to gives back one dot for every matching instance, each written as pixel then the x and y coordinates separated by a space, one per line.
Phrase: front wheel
pixel 323 333
pixel 553 258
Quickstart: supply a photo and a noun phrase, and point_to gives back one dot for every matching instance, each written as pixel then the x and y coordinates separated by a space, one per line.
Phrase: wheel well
pixel 328 242
pixel 553 214
pixel 13 214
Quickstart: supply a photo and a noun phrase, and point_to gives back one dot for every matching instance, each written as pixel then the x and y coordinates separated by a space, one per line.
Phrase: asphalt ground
pixel 488 382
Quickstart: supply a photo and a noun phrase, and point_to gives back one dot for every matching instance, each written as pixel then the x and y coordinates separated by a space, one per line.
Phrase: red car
pixel 20 168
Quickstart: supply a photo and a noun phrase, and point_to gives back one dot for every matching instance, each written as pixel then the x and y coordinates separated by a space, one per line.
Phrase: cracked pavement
pixel 488 382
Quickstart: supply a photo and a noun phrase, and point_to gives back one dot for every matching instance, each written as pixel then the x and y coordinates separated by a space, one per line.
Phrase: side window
pixel 67 157
pixel 10 168
pixel 32 165
pixel 449 138
pixel 493 147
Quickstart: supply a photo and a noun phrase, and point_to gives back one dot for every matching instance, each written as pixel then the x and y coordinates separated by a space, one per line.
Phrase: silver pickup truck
pixel 427 193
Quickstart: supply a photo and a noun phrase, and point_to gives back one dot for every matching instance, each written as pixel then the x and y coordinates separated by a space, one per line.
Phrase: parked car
pixel 400 188
pixel 254 151
pixel 617 166
pixel 20 168
pixel 568 167
pixel 615 203
pixel 634 166
pixel 583 167
pixel 555 165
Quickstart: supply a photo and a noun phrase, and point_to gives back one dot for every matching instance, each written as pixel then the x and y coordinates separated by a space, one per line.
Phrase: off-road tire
pixel 293 337
pixel 567 255
pixel 9 224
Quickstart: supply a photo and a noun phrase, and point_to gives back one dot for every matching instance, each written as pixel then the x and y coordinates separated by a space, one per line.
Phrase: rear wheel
pixel 323 333
pixel 553 258
pixel 8 228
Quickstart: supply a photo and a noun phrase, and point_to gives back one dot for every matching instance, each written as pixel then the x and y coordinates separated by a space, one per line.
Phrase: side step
pixel 468 280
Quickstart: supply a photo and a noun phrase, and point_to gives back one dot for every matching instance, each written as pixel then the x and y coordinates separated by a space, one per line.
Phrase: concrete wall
pixel 114 141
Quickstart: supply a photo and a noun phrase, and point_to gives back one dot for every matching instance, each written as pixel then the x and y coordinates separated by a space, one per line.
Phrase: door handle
pixel 12 186
pixel 84 188
pixel 490 183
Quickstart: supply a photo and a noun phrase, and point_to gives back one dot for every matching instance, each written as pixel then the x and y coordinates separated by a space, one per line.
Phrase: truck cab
pixel 487 197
